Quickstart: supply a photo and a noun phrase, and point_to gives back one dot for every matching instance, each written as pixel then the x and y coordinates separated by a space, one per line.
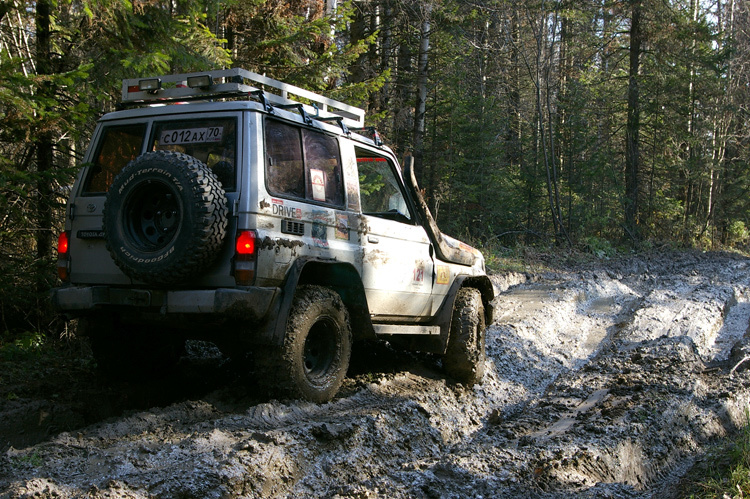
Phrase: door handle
pixel 373 239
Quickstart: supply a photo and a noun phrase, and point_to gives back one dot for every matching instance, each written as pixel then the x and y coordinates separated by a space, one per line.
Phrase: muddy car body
pixel 230 217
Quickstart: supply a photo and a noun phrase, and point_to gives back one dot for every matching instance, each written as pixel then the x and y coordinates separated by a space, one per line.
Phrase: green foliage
pixel 26 113
pixel 601 248
pixel 30 459
pixel 726 472
pixel 302 44
pixel 738 233
pixel 22 346
pixel 371 184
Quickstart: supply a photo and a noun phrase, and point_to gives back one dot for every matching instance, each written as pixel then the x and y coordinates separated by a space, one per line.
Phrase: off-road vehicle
pixel 232 208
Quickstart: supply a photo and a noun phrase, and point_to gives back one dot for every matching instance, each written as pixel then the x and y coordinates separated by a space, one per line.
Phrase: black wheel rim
pixel 320 350
pixel 152 216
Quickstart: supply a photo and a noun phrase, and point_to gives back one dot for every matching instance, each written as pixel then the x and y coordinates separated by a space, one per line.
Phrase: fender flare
pixel 341 277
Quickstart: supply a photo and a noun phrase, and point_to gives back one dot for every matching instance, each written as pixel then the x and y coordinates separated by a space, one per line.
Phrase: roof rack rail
pixel 236 83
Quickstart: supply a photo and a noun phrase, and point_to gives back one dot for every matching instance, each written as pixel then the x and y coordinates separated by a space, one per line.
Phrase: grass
pixel 538 259
pixel 724 472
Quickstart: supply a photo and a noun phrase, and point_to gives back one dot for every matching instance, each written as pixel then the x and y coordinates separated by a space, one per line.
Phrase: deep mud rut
pixel 609 380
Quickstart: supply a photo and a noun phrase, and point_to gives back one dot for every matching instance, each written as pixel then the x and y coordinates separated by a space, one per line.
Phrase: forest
pixel 600 125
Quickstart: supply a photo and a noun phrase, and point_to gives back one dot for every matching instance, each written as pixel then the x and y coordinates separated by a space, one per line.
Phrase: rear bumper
pixel 251 303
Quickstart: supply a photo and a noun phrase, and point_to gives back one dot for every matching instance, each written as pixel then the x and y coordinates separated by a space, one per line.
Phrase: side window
pixel 379 191
pixel 119 145
pixel 303 164
pixel 212 141
pixel 285 172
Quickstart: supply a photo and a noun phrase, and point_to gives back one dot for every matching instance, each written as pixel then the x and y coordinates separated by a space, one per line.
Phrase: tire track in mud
pixel 644 407
pixel 602 382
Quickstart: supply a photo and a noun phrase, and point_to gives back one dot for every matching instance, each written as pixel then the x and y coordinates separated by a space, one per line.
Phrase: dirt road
pixel 608 380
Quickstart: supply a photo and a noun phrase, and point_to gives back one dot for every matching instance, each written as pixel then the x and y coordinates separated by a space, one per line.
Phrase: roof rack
pixel 234 83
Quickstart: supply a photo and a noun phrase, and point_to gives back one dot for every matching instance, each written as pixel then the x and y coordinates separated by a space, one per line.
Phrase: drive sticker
pixel 318 181
pixel 320 228
pixel 342 226
pixel 443 274
pixel 278 208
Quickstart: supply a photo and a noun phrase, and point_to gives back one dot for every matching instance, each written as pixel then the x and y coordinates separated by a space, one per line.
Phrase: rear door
pixel 115 145
pixel 397 265
pixel 213 140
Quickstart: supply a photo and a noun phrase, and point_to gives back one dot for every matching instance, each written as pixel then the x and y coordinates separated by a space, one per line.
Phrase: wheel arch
pixel 341 277
pixel 444 316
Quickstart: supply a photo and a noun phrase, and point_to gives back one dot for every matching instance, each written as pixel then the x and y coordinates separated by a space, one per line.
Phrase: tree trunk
pixel 632 146
pixel 402 119
pixel 44 142
pixel 421 105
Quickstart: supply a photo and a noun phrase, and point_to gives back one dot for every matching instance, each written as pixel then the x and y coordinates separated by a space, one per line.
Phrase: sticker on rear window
pixel 191 135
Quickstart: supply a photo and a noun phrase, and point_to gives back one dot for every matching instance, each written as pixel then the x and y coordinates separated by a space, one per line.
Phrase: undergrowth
pixel 725 471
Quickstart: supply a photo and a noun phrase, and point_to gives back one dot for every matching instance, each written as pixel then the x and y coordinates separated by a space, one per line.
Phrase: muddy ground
pixel 604 379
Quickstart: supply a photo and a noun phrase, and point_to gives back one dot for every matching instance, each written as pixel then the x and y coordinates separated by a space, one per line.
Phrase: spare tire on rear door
pixel 165 217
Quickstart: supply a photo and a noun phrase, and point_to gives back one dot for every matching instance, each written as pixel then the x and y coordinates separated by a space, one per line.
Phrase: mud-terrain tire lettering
pixel 312 362
pixel 165 218
pixel 465 357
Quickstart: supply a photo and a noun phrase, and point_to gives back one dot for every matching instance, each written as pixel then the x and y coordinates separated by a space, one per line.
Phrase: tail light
pixel 63 256
pixel 244 257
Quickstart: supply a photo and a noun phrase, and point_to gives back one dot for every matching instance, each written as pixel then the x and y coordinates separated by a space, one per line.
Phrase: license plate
pixel 191 135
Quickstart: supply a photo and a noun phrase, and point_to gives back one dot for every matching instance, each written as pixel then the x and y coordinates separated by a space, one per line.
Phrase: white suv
pixel 216 207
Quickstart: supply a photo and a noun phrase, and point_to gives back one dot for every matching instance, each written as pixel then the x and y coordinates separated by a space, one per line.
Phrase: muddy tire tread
pixel 465 356
pixel 279 369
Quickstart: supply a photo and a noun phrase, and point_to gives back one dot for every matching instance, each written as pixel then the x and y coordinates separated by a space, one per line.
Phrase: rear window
pixel 119 145
pixel 212 141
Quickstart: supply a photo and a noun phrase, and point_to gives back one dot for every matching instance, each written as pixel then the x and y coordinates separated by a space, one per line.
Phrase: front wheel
pixel 465 357
pixel 314 358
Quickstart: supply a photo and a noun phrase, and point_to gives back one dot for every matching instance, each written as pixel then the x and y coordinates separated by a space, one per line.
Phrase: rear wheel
pixel 314 358
pixel 465 357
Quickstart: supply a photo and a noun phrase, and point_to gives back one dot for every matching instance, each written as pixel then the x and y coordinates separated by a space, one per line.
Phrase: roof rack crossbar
pixel 337 119
pixel 235 83
pixel 301 109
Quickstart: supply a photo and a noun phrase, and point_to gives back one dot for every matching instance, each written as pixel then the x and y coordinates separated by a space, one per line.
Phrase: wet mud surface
pixel 606 379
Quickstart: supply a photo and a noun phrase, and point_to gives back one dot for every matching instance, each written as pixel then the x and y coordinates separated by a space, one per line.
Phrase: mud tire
pixel 465 357
pixel 312 362
pixel 165 218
